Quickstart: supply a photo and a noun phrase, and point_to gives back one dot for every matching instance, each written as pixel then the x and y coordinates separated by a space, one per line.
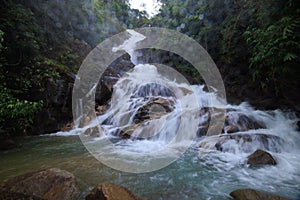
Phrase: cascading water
pixel 152 118
pixel 148 112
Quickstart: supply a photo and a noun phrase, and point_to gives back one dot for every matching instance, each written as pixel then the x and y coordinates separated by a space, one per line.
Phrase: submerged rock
pixel 109 191
pixel 260 158
pixel 250 194
pixel 50 184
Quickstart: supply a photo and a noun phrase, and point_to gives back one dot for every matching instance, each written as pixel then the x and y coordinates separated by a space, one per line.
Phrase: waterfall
pixel 155 117
pixel 130 44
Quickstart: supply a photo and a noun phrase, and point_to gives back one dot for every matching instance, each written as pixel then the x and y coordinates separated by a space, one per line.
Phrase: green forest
pixel 255 45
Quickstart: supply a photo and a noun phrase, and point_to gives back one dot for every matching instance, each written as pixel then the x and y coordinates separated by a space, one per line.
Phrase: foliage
pixel 16 115
pixel 275 46
pixel 18 47
pixel 116 16
pixel 263 35
pixel 21 69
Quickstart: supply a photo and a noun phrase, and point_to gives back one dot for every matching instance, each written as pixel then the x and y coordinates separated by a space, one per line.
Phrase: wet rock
pixel 100 110
pixel 144 118
pixel 241 122
pixel 109 191
pixel 50 184
pixel 185 91
pixel 260 158
pixel 246 142
pixel 84 121
pixel 233 121
pixel 153 90
pixel 154 108
pixel 95 131
pixel 202 130
pixel 250 194
pixel 215 129
pixel 231 129
pixel 111 75
pixel 67 127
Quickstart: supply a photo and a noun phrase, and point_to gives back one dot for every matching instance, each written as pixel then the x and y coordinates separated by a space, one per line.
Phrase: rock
pixel 145 115
pixel 100 110
pixel 50 184
pixel 153 109
pixel 84 121
pixel 231 129
pixel 250 194
pixel 241 122
pixel 67 127
pixel 185 91
pixel 153 90
pixel 202 130
pixel 234 121
pixel 109 191
pixel 95 131
pixel 246 142
pixel 111 75
pixel 260 158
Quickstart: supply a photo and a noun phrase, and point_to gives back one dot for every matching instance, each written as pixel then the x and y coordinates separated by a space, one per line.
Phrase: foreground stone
pixel 250 194
pixel 260 158
pixel 109 191
pixel 50 184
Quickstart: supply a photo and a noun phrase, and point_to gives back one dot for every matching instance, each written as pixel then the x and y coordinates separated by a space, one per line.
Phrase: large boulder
pixel 260 158
pixel 154 108
pixel 144 118
pixel 50 184
pixel 250 194
pixel 109 191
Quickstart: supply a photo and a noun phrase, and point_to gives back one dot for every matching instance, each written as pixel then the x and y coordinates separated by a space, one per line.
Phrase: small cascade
pixel 130 44
pixel 149 107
